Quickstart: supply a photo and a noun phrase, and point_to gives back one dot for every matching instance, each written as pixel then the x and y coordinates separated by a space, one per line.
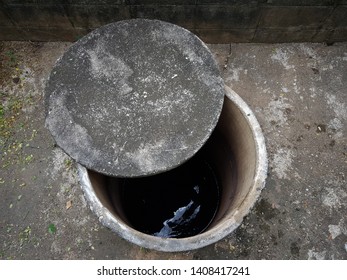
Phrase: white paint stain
pixel 282 162
pixel 331 199
pixel 308 50
pixel 275 111
pixel 313 255
pixel 285 90
pixel 337 125
pixel 234 75
pixel 282 57
pixel 338 107
pixel 336 230
pixel 333 196
pixel 340 111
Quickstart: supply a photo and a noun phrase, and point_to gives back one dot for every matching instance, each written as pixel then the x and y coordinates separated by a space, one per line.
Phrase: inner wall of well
pixel 236 131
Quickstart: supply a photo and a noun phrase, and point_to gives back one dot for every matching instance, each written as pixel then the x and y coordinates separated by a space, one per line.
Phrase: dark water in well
pixel 178 203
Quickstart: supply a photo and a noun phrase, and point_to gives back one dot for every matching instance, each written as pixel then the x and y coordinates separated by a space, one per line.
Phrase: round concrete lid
pixel 134 98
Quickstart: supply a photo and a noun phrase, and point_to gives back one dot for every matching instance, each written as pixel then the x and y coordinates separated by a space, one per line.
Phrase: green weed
pixel 52 229
pixel 12 59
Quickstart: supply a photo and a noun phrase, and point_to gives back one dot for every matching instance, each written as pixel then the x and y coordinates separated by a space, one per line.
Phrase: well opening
pixel 236 154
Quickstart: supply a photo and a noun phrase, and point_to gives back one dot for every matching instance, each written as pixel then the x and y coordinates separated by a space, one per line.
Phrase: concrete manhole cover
pixel 134 98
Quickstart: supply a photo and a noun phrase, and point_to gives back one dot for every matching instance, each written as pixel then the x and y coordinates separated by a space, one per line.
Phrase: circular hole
pixel 234 165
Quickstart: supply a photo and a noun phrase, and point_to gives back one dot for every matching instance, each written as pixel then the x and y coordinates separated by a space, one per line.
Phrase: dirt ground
pixel 298 93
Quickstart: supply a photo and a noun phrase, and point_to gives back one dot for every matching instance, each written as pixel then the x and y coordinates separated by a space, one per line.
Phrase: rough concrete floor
pixel 298 93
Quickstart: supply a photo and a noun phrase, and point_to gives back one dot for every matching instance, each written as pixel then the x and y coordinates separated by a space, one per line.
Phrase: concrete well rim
pixel 203 239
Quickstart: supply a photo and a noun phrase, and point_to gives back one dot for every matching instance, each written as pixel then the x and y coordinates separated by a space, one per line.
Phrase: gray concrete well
pixel 238 155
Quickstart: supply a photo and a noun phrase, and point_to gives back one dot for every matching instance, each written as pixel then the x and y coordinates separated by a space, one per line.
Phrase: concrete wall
pixel 214 21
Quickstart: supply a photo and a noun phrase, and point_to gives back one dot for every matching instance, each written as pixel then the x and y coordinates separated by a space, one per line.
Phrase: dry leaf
pixel 68 204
